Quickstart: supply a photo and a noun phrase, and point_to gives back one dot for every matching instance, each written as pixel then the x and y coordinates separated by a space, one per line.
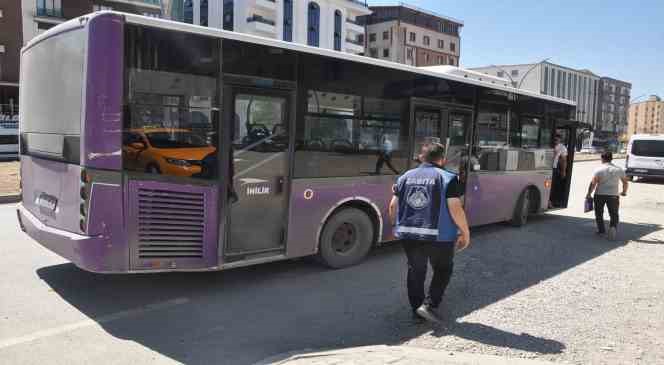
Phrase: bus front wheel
pixel 346 238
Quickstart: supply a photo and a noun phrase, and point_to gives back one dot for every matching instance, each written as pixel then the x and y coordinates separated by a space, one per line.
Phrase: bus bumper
pixel 644 172
pixel 89 253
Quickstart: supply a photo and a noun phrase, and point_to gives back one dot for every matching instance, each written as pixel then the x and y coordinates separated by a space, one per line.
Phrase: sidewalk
pixel 397 355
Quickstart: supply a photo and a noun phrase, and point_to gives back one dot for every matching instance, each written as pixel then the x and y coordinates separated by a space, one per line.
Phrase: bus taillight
pixel 84 193
pixel 547 183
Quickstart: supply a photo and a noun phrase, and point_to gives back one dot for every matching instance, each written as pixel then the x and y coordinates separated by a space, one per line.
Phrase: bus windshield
pixel 648 148
pixel 175 140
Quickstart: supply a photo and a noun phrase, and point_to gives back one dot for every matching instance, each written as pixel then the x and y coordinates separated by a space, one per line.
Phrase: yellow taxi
pixel 168 151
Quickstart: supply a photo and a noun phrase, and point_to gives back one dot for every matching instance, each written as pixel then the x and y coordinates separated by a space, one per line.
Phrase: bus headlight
pixel 178 162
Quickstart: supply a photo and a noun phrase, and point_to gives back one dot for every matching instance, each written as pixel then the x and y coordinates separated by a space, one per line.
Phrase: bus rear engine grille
pixel 171 224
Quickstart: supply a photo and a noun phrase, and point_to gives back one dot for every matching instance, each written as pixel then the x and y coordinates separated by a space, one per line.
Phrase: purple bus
pixel 149 145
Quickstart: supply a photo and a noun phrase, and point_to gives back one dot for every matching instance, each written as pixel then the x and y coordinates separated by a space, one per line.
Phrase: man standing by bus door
pixel 429 220
pixel 559 172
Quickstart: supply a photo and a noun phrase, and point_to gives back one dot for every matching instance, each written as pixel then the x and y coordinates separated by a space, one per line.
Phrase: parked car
pixel 646 156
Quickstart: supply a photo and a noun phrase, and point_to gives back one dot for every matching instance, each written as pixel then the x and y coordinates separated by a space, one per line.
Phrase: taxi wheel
pixel 152 169
pixel 346 238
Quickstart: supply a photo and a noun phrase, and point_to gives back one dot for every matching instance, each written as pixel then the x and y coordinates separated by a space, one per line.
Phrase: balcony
pixel 258 23
pixel 354 46
pixel 150 4
pixel 49 13
pixel 354 26
pixel 270 5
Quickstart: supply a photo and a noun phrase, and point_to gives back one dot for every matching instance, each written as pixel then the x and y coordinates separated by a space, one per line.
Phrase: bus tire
pixel 346 238
pixel 152 169
pixel 522 209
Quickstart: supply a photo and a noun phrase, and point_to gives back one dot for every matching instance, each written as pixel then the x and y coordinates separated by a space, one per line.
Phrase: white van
pixel 645 156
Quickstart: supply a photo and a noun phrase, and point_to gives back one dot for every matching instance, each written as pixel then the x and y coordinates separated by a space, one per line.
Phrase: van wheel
pixel 346 238
pixel 522 209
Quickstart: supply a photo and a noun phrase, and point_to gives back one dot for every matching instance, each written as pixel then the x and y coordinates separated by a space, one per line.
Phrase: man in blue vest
pixel 429 220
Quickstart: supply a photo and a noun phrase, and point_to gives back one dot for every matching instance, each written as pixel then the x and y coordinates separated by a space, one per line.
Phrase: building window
pixel 229 14
pixel 441 44
pixel 413 37
pixel 440 60
pixel 386 35
pixel 373 52
pixel 313 34
pixel 500 74
pixel 288 20
pixel 204 13
pixel 188 11
pixel 546 81
pixel 372 37
pixel 426 40
pixel 452 61
pixel 515 72
pixel 426 58
pixel 386 52
pixel 452 46
pixel 409 54
pixel 360 38
pixel 337 30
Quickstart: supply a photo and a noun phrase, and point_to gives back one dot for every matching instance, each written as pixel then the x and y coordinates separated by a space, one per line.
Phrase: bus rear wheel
pixel 346 238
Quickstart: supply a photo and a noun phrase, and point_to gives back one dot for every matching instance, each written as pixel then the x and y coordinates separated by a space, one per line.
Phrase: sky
pixel 621 39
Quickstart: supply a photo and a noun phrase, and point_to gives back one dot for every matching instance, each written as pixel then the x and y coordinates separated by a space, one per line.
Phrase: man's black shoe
pixel 429 313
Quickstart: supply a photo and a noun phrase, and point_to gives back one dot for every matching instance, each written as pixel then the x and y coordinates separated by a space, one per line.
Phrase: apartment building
pixel 10 48
pixel 613 105
pixel 330 24
pixel 413 36
pixel 646 117
pixel 581 86
pixel 41 15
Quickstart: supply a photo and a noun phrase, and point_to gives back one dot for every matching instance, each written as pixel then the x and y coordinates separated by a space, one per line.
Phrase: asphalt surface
pixel 551 290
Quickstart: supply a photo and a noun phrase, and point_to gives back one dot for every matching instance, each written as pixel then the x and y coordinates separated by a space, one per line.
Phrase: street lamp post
pixel 530 69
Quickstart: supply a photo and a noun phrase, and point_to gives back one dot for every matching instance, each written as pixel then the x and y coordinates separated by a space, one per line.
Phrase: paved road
pixel 551 290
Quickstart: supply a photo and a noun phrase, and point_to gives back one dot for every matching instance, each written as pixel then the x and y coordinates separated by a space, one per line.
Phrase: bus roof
pixel 447 73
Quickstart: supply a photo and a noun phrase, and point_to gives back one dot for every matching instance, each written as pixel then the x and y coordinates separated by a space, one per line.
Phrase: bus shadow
pixel 244 315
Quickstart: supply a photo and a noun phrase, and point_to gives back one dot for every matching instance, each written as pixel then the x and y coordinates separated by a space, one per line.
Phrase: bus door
pixel 445 124
pixel 567 131
pixel 258 121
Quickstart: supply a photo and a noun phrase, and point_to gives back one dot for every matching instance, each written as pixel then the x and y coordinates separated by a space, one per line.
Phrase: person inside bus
pixel 605 184
pixel 429 220
pixel 385 155
pixel 559 173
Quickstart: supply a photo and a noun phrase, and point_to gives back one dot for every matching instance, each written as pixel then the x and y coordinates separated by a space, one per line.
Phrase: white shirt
pixel 558 151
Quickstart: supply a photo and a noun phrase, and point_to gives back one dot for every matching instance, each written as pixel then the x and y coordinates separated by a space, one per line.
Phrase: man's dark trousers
pixel 441 257
pixel 612 202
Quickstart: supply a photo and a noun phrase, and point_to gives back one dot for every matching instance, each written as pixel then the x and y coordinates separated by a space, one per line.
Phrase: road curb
pixel 9 199
pixel 394 354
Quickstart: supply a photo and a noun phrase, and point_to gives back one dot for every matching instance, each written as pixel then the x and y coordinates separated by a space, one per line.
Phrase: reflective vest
pixel 422 212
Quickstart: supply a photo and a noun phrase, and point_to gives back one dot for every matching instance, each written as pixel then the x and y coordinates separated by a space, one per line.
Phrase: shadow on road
pixel 244 315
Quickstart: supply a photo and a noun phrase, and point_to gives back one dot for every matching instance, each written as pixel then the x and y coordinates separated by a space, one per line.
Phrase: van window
pixel 648 148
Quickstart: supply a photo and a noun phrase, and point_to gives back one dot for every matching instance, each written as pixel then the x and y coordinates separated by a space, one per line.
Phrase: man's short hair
pixel 432 151
pixel 558 136
pixel 607 156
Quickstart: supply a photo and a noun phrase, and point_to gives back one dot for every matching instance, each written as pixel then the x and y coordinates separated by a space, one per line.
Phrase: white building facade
pixel 580 86
pixel 327 24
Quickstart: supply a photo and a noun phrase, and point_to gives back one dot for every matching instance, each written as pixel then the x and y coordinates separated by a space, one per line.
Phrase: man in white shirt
pixel 606 183
pixel 559 172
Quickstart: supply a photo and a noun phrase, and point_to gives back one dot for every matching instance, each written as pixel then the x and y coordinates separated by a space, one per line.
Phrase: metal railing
pixel 354 21
pixel 260 19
